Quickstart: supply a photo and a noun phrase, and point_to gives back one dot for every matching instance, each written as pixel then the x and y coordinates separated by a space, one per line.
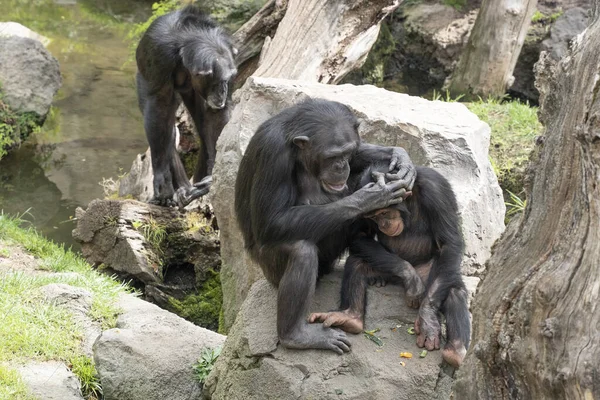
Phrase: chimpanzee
pixel 184 55
pixel 424 232
pixel 295 209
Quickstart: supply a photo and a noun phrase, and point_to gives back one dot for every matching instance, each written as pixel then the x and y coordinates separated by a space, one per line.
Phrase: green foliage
pixel 204 308
pixel 456 4
pixel 373 70
pixel 514 206
pixel 85 369
pixel 437 96
pixel 206 363
pixel 514 126
pixel 11 385
pixel 158 9
pixel 539 17
pixel 15 127
pixel 152 231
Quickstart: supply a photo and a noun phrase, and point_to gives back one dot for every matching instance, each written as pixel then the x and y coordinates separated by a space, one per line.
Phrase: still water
pixel 95 129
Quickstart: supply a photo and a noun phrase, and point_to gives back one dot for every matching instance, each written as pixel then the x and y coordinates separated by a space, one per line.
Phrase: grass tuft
pixel 205 364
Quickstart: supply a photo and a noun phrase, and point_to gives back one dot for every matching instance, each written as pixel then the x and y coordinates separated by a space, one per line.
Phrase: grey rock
pixel 445 136
pixel 29 74
pixel 150 354
pixel 16 29
pixel 566 27
pixel 138 183
pixel 253 366
pixel 79 302
pixel 51 381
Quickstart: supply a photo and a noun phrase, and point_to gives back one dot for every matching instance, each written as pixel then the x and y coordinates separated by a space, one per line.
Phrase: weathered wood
pixel 323 40
pixel 485 68
pixel 536 317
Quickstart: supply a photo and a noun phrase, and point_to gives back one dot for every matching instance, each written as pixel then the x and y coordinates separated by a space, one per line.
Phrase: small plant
pixel 4 253
pixel 154 233
pixel 436 96
pixel 537 17
pixel 83 367
pixel 515 206
pixel 206 363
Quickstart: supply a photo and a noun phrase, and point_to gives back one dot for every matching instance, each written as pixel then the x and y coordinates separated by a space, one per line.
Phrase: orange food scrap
pixel 406 355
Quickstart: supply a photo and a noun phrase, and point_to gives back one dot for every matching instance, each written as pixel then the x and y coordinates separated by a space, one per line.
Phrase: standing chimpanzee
pixel 424 232
pixel 295 209
pixel 183 55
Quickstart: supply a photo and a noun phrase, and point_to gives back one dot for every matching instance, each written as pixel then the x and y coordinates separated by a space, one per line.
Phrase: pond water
pixel 95 129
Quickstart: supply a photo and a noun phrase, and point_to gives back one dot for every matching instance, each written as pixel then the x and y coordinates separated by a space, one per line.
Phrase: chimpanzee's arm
pixel 396 156
pixel 280 223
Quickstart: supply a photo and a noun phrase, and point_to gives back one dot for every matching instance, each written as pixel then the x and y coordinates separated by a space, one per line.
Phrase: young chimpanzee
pixel 183 55
pixel 418 241
pixel 295 209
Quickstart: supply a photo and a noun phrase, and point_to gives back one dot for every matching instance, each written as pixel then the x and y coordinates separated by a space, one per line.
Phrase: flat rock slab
pixel 253 366
pixel 150 354
pixel 51 381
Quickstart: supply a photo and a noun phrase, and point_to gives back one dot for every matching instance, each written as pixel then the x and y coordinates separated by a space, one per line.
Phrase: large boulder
pixel 51 380
pixel 16 29
pixel 29 74
pixel 150 354
pixel 445 136
pixel 253 366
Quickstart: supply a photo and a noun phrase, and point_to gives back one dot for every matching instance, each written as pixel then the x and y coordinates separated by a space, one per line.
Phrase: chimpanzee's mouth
pixel 335 187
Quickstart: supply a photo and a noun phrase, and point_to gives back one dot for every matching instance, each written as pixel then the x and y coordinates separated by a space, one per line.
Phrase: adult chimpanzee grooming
pixel 424 232
pixel 183 55
pixel 294 207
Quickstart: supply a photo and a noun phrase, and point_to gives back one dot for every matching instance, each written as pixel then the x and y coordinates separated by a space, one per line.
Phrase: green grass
pixel 514 126
pixel 11 385
pixel 33 329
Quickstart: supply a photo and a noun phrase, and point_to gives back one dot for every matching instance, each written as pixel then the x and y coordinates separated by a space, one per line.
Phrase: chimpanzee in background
pixel 183 55
pixel 418 241
pixel 295 209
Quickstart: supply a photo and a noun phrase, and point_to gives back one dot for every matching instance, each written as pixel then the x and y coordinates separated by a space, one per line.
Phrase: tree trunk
pixel 250 37
pixel 485 68
pixel 321 40
pixel 536 317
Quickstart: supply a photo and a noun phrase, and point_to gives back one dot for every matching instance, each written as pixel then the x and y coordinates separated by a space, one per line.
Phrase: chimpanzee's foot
pixel 414 292
pixel 161 201
pixel 428 328
pixel 185 195
pixel 377 281
pixel 345 320
pixel 454 353
pixel 163 190
pixel 316 337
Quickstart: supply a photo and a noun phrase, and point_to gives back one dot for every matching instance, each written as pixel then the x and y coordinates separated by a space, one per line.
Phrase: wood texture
pixel 536 318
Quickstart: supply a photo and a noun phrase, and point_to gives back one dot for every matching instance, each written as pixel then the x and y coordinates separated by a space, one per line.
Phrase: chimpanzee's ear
pixel 301 141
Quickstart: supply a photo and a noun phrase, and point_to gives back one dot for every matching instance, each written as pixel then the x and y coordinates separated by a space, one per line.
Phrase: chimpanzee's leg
pixel 294 267
pixel 353 303
pixel 443 276
pixel 213 124
pixel 387 264
pixel 159 118
pixel 458 325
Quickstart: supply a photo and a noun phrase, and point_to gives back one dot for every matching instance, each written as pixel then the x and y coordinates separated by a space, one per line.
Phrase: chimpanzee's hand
pixel 379 194
pixel 406 173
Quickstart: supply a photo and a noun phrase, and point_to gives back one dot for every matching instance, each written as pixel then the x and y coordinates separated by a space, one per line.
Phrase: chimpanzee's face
pixel 333 151
pixel 388 220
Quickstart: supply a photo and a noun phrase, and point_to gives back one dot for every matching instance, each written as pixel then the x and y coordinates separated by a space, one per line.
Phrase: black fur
pixel 294 225
pixel 184 55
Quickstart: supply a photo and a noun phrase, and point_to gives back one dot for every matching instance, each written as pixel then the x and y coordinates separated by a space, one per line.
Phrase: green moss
pixel 456 4
pixel 373 70
pixel 15 127
pixel 204 308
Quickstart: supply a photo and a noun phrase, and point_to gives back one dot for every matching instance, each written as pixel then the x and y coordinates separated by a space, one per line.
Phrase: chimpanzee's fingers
pixel 406 175
pixel 205 182
pixel 393 162
pixel 400 193
pixel 342 346
pixel 379 177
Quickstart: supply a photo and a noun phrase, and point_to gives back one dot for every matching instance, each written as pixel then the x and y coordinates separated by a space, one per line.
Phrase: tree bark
pixel 485 68
pixel 323 40
pixel 536 318
pixel 250 37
